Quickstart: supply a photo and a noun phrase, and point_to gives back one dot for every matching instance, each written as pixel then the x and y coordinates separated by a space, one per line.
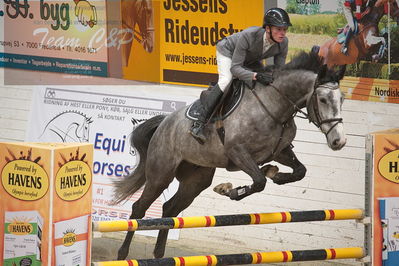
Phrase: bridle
pixel 145 31
pixel 142 11
pixel 312 106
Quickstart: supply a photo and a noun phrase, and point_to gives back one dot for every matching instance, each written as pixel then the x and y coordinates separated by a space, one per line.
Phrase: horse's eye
pixel 323 101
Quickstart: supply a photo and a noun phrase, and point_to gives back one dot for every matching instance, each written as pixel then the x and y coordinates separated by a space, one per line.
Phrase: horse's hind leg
pixel 287 157
pixel 152 190
pixel 193 180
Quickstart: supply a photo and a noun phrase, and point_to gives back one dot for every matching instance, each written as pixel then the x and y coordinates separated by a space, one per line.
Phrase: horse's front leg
pixel 287 157
pixel 240 156
pixel 371 39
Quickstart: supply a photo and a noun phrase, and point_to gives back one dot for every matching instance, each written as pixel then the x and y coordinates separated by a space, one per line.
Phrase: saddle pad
pixel 229 104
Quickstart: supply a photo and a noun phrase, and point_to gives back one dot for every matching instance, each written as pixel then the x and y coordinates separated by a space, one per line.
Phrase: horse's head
pixel 146 24
pixel 324 106
pixel 82 132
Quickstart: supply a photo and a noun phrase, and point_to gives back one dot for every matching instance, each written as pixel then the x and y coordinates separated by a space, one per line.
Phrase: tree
pixel 291 7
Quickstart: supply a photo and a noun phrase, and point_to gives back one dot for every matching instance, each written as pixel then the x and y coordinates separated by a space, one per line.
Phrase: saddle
pixel 229 102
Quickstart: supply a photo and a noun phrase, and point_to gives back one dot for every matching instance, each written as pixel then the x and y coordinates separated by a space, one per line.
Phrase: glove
pixel 86 13
pixel 264 78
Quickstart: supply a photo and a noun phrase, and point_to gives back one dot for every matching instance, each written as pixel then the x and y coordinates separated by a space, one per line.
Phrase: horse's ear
pixel 341 72
pixel 322 72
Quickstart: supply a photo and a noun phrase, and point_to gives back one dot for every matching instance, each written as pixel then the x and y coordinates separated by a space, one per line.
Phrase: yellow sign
pixel 25 180
pixel 173 41
pixel 190 31
pixel 73 180
pixel 69 239
pixel 388 166
pixel 20 228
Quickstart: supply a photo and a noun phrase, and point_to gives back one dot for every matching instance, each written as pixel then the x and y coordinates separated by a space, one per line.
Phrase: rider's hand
pixel 86 13
pixel 264 78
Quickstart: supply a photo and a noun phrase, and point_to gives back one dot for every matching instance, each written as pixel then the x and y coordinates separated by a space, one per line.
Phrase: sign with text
pixel 189 31
pixel 59 36
pixel 106 121
pixel 382 201
pixel 174 41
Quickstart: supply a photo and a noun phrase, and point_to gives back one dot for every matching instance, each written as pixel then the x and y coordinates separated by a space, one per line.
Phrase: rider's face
pixel 278 33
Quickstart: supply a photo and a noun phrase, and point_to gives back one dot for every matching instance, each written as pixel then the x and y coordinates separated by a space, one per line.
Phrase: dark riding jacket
pixel 245 48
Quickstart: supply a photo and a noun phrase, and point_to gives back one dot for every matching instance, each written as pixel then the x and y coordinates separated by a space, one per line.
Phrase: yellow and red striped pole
pixel 227 220
pixel 246 258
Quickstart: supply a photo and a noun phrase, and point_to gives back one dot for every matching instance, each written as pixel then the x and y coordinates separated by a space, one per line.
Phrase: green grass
pixel 323 24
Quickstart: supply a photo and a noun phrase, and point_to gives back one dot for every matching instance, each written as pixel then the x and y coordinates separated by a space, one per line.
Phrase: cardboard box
pixel 45 203
pixel 382 190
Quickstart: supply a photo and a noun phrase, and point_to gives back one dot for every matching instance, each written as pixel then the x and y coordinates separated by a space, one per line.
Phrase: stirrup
pixel 344 50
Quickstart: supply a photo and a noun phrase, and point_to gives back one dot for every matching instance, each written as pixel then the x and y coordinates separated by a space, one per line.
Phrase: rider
pixel 360 8
pixel 240 55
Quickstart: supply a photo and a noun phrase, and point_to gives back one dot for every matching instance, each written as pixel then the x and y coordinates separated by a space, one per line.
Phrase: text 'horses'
pixel 259 130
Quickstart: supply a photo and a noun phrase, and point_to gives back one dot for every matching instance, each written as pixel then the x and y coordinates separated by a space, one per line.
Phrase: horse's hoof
pixel 269 170
pixel 223 189
pixel 375 58
pixel 159 253
pixel 122 254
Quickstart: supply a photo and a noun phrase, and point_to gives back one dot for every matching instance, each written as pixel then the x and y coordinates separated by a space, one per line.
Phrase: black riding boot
pixel 348 37
pixel 208 99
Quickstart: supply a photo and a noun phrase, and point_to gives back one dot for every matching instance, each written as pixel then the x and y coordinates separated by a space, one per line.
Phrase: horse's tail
pixel 140 139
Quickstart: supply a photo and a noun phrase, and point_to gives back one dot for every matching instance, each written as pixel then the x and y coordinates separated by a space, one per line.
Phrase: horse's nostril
pixel 335 142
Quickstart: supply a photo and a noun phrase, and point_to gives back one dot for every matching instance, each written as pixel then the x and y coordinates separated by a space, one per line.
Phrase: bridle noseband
pixel 312 106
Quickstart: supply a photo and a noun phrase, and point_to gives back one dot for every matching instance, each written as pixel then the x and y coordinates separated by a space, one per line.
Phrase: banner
pixel 106 121
pixel 139 41
pixel 381 202
pixel 174 41
pixel 372 72
pixel 52 35
pixel 190 30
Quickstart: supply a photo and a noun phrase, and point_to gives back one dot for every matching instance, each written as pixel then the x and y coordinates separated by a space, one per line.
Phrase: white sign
pixel 106 121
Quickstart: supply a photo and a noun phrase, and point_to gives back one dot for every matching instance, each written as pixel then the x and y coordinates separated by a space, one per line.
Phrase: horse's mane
pixel 305 60
pixel 73 112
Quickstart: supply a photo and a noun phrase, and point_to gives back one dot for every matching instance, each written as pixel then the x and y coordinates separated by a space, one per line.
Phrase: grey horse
pixel 259 130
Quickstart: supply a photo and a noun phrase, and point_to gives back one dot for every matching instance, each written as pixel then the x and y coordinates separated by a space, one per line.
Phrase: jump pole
pixel 227 220
pixel 246 258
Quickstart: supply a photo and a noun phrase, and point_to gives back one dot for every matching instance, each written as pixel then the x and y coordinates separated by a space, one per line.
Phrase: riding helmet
pixel 276 17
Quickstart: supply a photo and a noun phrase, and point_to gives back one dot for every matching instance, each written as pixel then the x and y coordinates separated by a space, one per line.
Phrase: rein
pixel 283 124
pixel 142 35
pixel 318 121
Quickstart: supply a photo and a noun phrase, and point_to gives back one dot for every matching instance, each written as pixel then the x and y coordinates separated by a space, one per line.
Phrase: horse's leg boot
pixel 208 99
pixel 239 193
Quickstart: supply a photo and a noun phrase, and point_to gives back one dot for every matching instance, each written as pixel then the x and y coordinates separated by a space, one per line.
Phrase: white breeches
pixel 224 65
pixel 349 17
